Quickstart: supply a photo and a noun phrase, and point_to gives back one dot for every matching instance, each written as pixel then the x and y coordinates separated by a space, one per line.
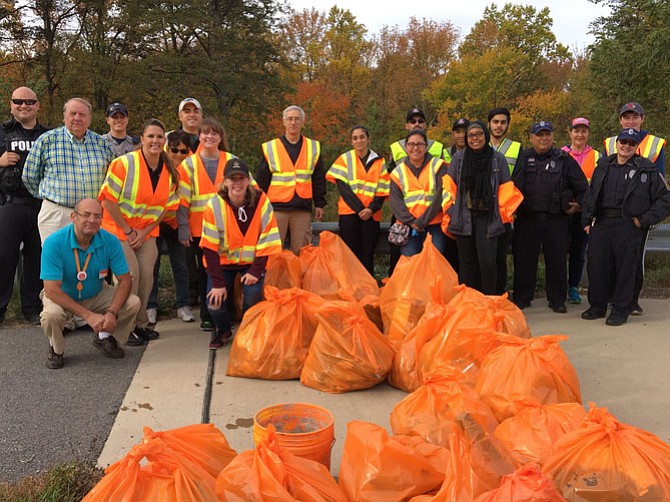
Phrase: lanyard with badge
pixel 81 272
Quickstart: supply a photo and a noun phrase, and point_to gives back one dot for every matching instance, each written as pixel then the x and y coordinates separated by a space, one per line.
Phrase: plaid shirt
pixel 63 169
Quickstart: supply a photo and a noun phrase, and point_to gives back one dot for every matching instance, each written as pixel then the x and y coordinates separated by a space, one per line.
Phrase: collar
pixel 75 140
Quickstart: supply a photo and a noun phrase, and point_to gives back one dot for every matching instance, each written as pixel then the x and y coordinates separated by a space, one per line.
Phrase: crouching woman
pixel 239 232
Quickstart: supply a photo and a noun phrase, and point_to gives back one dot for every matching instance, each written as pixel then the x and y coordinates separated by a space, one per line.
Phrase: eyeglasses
pixel 86 215
pixel 416 121
pixel 415 145
pixel 183 151
pixel 627 142
pixel 19 102
pixel 476 135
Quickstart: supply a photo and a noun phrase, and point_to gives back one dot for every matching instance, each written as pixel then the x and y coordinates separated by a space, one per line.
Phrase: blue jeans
pixel 176 252
pixel 251 295
pixel 415 243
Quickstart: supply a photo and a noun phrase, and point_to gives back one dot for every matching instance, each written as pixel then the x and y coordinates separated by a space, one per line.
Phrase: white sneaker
pixel 185 314
pixel 152 314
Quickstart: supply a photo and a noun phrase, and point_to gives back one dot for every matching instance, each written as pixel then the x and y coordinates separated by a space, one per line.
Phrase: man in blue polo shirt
pixel 75 263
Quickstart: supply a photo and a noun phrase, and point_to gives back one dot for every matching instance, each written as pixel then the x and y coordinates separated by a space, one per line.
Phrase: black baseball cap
pixel 414 112
pixel 235 166
pixel 631 107
pixel 542 125
pixel 116 108
pixel 461 123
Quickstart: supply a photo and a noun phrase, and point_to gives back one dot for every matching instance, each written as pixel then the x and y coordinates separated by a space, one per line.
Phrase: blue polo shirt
pixel 58 262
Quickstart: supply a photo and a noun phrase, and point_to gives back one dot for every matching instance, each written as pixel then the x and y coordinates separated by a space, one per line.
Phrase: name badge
pixel 102 274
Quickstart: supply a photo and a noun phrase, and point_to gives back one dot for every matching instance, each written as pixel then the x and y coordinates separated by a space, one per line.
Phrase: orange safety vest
pixel 589 163
pixel 196 188
pixel 418 193
pixel 128 184
pixel 365 184
pixel 288 178
pixel 221 232
pixel 650 147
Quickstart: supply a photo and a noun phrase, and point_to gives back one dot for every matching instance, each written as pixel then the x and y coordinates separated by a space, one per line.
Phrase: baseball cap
pixel 235 166
pixel 630 134
pixel 580 121
pixel 631 107
pixel 116 108
pixel 192 101
pixel 460 123
pixel 413 112
pixel 542 125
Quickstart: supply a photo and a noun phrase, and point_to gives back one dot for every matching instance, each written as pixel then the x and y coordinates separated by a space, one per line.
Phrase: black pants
pixel 18 222
pixel 639 273
pixel 531 235
pixel 451 254
pixel 504 243
pixel 477 255
pixel 578 242
pixel 394 253
pixel 192 267
pixel 614 249
pixel 202 280
pixel 361 237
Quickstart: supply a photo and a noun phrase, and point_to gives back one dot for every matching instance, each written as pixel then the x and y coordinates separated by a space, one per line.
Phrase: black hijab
pixel 477 168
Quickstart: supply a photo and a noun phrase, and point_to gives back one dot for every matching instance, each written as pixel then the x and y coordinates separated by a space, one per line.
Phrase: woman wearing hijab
pixel 478 199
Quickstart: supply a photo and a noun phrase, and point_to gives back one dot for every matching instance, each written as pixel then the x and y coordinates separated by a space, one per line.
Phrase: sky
pixel 571 17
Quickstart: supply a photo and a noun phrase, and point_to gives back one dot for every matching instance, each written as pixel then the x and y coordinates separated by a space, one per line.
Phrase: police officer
pixel 18 208
pixel 627 195
pixel 553 185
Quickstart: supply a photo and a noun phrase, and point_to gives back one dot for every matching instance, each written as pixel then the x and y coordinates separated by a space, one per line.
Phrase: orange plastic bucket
pixel 306 430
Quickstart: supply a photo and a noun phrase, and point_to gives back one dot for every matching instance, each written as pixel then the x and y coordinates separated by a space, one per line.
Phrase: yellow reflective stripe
pixel 272 155
pixel 610 145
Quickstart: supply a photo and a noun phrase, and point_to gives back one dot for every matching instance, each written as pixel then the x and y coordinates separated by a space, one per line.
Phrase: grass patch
pixel 69 482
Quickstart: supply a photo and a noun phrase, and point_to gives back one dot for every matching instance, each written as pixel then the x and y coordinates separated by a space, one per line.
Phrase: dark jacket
pixel 549 181
pixel 14 138
pixel 647 197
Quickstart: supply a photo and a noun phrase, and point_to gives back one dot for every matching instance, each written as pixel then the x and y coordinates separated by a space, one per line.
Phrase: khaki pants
pixel 141 263
pixel 52 217
pixel 298 225
pixel 53 316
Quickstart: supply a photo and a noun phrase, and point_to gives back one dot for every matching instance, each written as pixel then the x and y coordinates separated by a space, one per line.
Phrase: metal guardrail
pixel 659 240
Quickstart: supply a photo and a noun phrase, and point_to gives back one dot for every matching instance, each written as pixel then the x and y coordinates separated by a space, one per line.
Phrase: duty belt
pixel 611 212
pixel 28 201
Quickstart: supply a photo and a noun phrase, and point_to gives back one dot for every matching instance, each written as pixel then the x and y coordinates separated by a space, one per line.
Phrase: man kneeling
pixel 75 263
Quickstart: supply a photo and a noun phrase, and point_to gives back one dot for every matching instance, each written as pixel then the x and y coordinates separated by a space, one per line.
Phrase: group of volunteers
pixel 100 207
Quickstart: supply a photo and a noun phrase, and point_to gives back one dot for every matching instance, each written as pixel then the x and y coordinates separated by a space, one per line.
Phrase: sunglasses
pixel 183 151
pixel 19 102
pixel 417 121
pixel 627 142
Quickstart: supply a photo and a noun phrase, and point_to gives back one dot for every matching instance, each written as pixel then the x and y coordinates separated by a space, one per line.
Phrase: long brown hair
pixel 211 124
pixel 174 174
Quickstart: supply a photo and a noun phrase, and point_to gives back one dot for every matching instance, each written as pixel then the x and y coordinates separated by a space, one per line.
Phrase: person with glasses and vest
pixel 416 194
pixel 363 183
pixel 140 188
pixel 239 233
pixel 177 150
pixel 632 116
pixel 498 123
pixel 18 208
pixel 292 175
pixel 552 185
pixel 200 174
pixel 586 157
pixel 478 198
pixel 627 195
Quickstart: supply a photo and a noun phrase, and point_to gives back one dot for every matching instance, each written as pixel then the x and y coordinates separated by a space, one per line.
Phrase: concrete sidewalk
pixel 622 368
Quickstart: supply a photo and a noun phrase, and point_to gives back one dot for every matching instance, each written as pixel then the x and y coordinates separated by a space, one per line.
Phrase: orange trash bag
pixel 608 460
pixel 332 266
pixel 272 341
pixel 477 464
pixel 534 367
pixel 526 484
pixel 406 294
pixel 182 465
pixel 431 412
pixel 377 467
pixel 348 352
pixel 530 434
pixel 284 271
pixel 269 473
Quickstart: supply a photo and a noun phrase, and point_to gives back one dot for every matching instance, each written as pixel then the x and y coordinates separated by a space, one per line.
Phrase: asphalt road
pixel 48 417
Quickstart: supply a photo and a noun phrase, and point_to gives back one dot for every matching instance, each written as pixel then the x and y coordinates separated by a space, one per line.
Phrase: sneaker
pixel 574 297
pixel 635 309
pixel 559 308
pixel 592 314
pixel 54 361
pixel 108 347
pixel 218 341
pixel 135 340
pixel 185 314
pixel 206 326
pixel 152 314
pixel 147 334
pixel 615 320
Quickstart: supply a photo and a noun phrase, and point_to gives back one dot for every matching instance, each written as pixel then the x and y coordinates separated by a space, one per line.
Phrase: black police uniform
pixel 548 181
pixel 18 221
pixel 618 194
